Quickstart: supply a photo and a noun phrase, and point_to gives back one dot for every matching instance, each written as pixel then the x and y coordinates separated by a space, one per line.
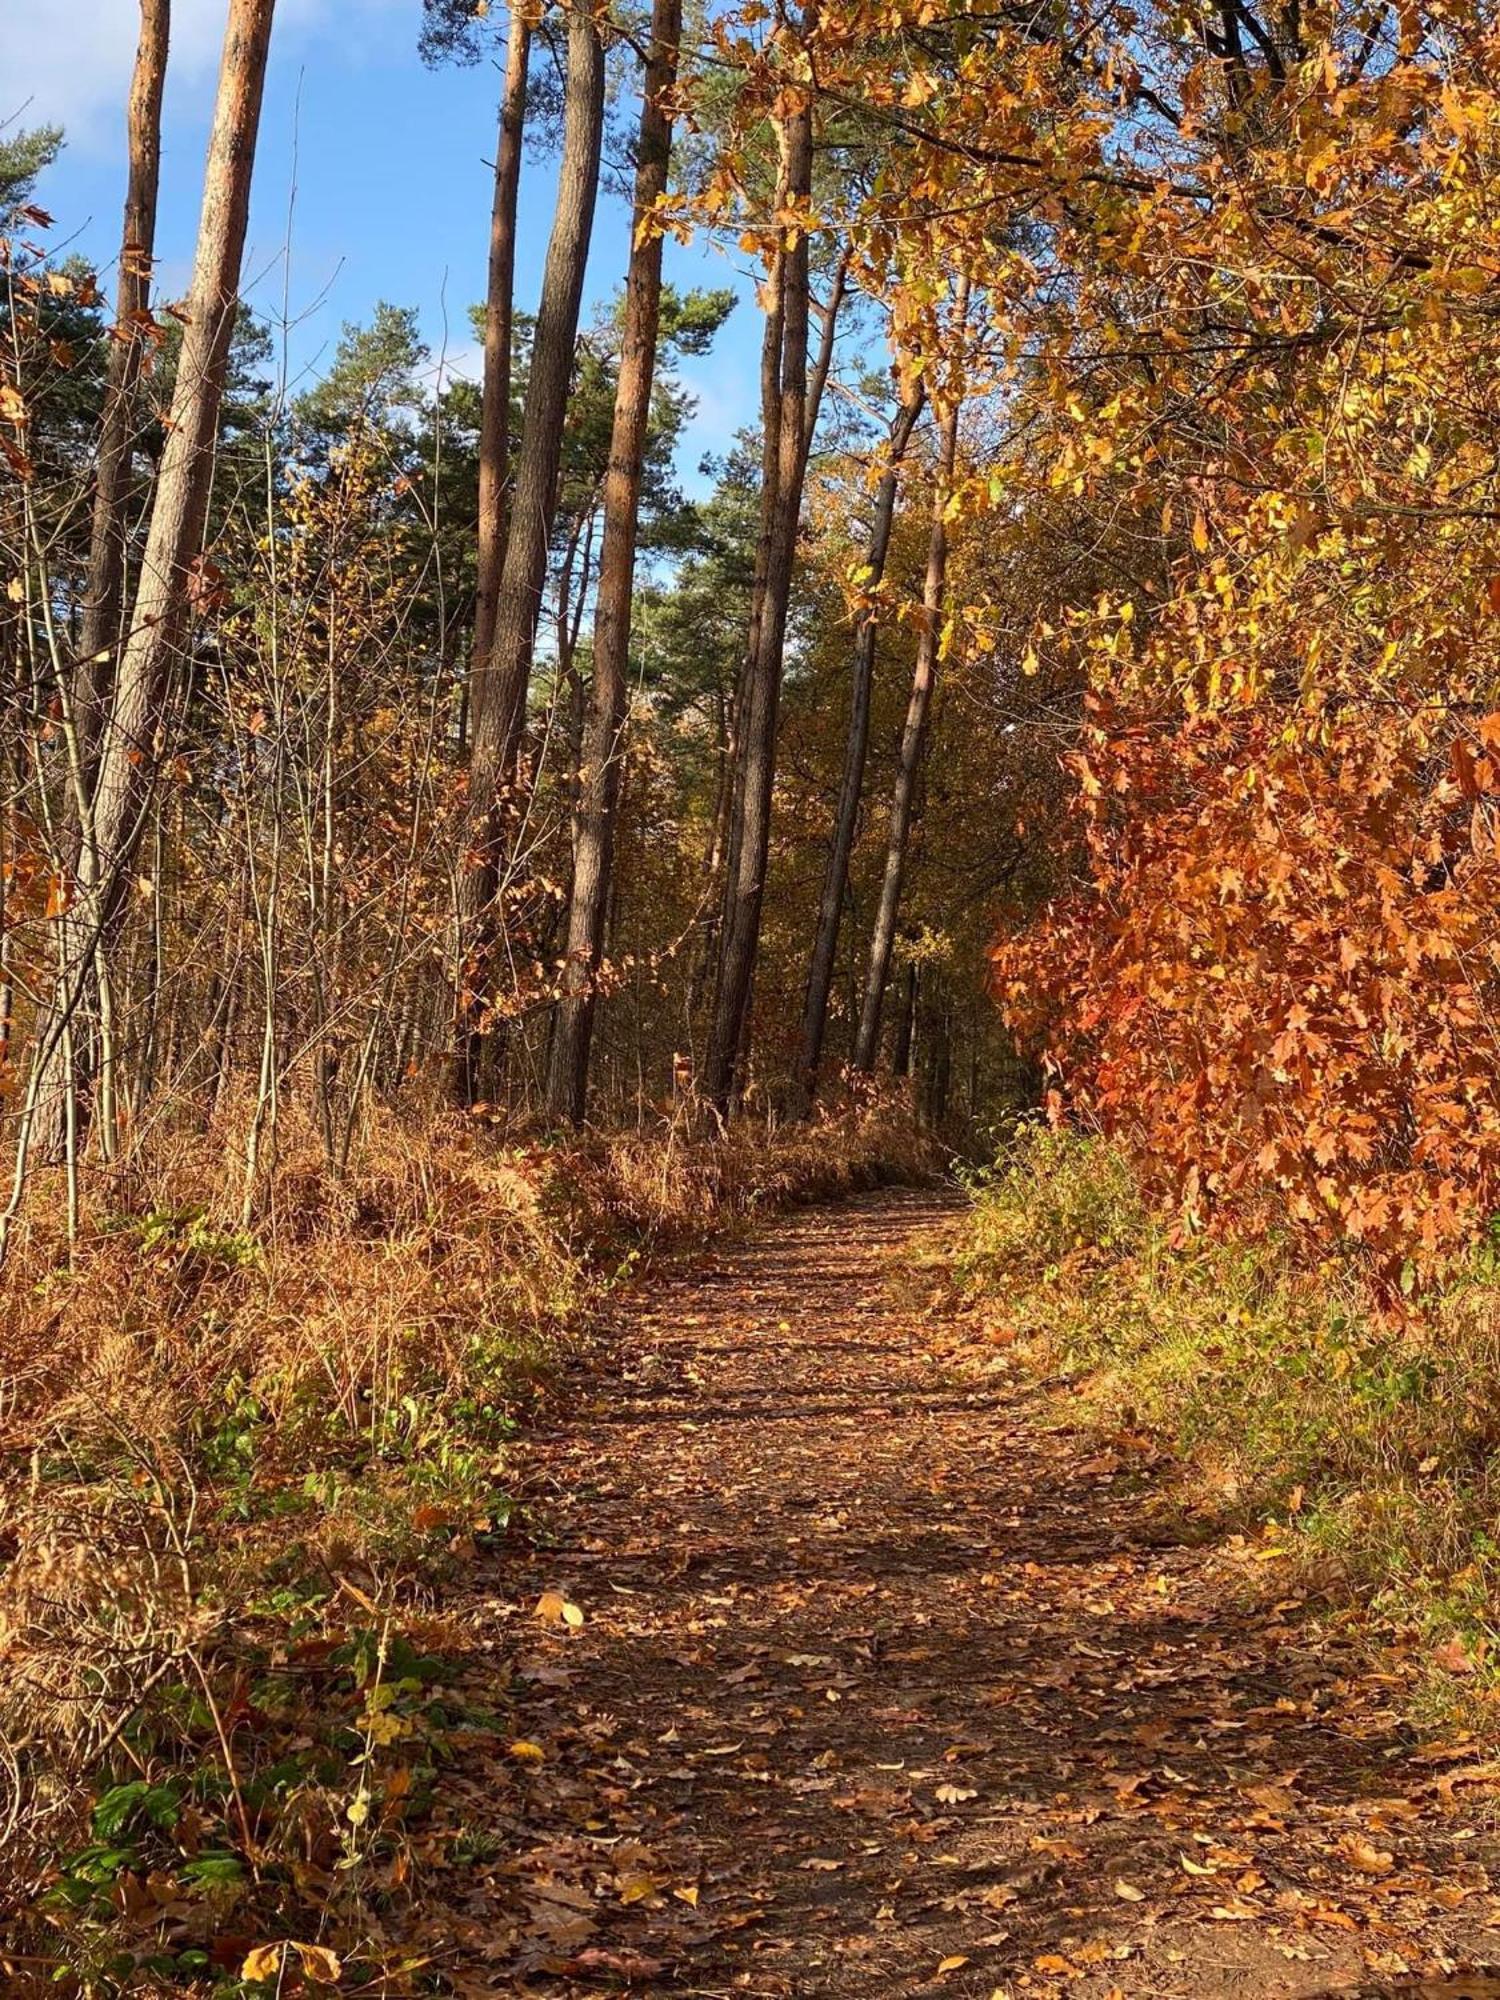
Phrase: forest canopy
pixel 1100 587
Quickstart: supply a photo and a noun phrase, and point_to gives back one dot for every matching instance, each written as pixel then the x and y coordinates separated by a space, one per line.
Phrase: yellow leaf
pixel 556 1609
pixel 1454 110
pixel 1128 1892
pixel 952 1964
pixel 319 1964
pixel 528 1752
pixel 1200 533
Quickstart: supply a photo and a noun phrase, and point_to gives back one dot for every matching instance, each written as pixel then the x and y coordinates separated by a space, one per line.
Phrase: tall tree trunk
pixel 129 751
pixel 728 823
pixel 913 740
pixel 500 686
pixel 724 845
pixel 599 779
pixel 494 421
pixel 100 637
pixel 851 784
pixel 744 888
pixel 817 385
pixel 906 1023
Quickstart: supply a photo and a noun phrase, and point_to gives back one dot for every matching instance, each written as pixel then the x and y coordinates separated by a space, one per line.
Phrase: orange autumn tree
pixel 1242 261
pixel 1278 975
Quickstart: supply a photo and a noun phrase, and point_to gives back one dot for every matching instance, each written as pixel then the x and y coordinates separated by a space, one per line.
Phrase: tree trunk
pixel 129 752
pixel 494 422
pixel 723 848
pixel 851 785
pixel 744 888
pixel 500 686
pixel 599 777
pixel 104 598
pixel 906 1025
pixel 728 823
pixel 818 384
pixel 913 743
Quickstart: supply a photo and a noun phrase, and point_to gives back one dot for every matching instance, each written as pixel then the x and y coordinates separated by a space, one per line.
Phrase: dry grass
pixel 238 1466
pixel 1364 1436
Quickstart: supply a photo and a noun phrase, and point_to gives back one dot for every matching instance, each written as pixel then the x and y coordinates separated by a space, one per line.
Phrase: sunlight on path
pixel 884 1687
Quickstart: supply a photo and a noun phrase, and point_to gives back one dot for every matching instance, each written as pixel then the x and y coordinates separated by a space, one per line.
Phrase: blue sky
pixel 381 163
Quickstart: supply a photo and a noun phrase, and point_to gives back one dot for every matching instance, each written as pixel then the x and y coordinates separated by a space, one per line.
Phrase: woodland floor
pixel 891 1680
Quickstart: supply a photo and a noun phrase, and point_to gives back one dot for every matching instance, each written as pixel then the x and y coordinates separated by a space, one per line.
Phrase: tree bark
pixel 818 383
pixel 100 635
pixel 599 778
pixel 913 742
pixel 723 848
pixel 906 1023
pixel 499 687
pixel 856 747
pixel 494 421
pixel 744 888
pixel 129 750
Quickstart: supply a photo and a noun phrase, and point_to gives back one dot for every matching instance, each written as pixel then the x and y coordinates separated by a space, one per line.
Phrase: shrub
pixel 240 1464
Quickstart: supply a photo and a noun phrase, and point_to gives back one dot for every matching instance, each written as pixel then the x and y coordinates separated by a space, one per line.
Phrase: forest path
pixel 889 1682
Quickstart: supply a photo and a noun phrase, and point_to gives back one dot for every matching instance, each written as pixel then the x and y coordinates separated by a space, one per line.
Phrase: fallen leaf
pixel 319 1964
pixel 268 1961
pixel 638 1888
pixel 1453 1657
pixel 556 1609
pixel 1365 1856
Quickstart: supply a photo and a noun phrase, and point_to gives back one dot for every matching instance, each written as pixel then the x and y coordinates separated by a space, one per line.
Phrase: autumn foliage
pixel 1272 386
pixel 1281 978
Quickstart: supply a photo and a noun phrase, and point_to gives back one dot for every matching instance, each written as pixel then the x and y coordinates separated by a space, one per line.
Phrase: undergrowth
pixel 241 1465
pixel 1360 1435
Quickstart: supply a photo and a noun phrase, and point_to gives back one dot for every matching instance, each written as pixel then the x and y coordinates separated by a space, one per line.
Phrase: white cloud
pixel 69 65
pixel 461 360
pixel 68 62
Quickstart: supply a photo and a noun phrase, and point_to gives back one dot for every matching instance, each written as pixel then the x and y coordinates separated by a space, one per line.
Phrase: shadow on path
pixel 887 1685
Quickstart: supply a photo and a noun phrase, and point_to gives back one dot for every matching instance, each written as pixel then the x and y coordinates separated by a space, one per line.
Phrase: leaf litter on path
pixel 839 1666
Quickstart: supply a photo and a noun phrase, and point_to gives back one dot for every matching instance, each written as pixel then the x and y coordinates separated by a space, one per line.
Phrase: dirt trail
pixel 887 1685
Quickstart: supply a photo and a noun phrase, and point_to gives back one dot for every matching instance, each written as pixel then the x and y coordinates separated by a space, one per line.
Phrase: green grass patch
pixel 1370 1433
